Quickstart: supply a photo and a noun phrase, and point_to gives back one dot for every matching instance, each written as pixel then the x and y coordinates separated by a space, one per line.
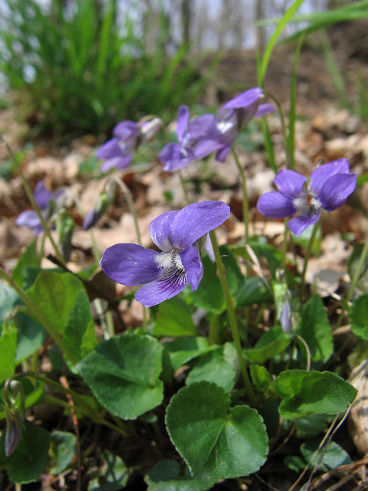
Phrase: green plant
pixel 78 69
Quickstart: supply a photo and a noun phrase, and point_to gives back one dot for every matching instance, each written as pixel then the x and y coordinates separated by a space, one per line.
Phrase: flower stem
pixel 35 312
pixel 232 318
pixel 29 193
pixel 184 188
pixel 283 129
pixel 307 256
pixel 284 245
pixel 245 193
pixel 129 199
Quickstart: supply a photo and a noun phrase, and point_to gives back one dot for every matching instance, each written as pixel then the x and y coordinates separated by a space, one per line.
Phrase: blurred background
pixel 80 66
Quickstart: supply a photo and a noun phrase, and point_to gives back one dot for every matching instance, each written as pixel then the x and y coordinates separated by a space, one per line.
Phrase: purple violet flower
pixel 165 274
pixel 175 156
pixel 329 187
pixel 233 117
pixel 127 136
pixel 43 197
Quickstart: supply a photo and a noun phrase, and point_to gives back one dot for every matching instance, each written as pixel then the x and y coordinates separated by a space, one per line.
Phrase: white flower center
pixel 168 261
pixel 307 204
pixel 225 126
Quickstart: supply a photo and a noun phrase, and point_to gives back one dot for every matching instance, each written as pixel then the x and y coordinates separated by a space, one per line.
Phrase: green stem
pixel 215 329
pixel 307 256
pixel 129 199
pixel 35 312
pixel 184 188
pixel 284 245
pixel 29 193
pixel 283 128
pixel 245 193
pixel 232 318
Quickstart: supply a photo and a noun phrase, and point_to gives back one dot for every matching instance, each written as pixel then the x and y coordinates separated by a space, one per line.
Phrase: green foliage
pixel 329 457
pixel 260 377
pixel 304 393
pixel 252 290
pixel 8 299
pixel 165 476
pixel 29 259
pixel 31 336
pixel 315 329
pixel 359 317
pixel 174 319
pixel 209 294
pixel 79 69
pixel 268 346
pixel 30 457
pixel 123 374
pixel 185 349
pixel 215 366
pixel 115 474
pixel 8 343
pixel 64 304
pixel 63 447
pixel 215 440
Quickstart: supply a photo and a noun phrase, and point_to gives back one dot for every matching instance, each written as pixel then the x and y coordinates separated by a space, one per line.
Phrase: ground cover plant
pixel 194 352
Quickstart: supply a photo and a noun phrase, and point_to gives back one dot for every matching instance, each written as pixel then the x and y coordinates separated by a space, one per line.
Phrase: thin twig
pixel 64 383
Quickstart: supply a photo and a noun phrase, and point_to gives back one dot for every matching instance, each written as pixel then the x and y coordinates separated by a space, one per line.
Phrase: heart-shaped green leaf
pixel 123 374
pixel 64 303
pixel 215 439
pixel 305 393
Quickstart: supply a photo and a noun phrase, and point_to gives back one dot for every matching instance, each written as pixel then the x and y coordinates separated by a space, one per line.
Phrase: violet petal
pixel 42 195
pixel 290 183
pixel 320 175
pixel 182 121
pixel 196 220
pixel 109 150
pixel 300 223
pixel 28 218
pixel 126 130
pixel 193 266
pixel 336 190
pixel 205 147
pixel 165 287
pixel 222 154
pixel 275 205
pixel 117 162
pixel 203 126
pixel 245 99
pixel 159 230
pixel 264 109
pixel 130 264
pixel 175 157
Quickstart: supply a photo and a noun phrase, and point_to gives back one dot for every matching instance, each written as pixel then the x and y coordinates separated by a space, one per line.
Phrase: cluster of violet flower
pixel 180 234
pixel 46 201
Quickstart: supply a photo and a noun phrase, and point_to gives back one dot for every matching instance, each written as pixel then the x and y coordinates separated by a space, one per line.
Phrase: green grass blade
pixel 285 19
pixel 292 109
